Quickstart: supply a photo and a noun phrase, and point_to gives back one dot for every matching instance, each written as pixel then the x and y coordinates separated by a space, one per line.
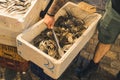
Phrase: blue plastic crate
pixel 39 72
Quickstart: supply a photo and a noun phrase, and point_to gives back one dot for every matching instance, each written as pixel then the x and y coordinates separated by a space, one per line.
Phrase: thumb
pixel 52 27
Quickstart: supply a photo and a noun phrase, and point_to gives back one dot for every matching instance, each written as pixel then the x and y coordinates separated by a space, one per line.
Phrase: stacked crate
pixel 10 26
pixel 10 59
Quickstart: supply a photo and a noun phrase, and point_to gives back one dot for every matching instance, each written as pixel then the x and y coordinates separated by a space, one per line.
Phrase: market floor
pixel 101 74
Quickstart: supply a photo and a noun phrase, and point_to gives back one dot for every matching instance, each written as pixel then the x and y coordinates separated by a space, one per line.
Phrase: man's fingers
pixel 49 26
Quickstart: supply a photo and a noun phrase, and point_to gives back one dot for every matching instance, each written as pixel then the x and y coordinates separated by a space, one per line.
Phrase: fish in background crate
pixel 15 6
pixel 68 29
pixel 18 15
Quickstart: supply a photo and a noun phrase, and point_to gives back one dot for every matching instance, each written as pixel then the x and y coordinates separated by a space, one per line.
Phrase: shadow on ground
pixel 100 74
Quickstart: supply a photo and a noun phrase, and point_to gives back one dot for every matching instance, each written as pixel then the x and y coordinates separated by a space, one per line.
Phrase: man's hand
pixel 49 21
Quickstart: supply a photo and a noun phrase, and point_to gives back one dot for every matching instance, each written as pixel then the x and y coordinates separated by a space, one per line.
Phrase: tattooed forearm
pixel 56 5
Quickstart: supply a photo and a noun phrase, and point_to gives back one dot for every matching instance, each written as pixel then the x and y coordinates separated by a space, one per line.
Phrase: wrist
pixel 52 15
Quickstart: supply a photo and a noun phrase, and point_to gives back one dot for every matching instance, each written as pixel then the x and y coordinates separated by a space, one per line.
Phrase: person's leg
pixel 108 32
pixel 101 50
pixel 108 29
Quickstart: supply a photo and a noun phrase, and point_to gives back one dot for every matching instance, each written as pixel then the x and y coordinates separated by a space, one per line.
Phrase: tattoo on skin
pixel 56 5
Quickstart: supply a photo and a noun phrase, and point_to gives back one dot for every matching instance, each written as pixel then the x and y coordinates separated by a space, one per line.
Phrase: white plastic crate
pixel 53 67
pixel 12 25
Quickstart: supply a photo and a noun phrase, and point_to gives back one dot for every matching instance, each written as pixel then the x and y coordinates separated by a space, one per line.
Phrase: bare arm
pixel 57 4
pixel 49 17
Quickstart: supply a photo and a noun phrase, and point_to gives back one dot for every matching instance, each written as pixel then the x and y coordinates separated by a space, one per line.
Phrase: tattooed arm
pixel 49 17
pixel 55 6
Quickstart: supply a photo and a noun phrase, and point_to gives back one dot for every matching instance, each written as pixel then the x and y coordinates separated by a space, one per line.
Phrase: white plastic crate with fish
pixel 16 16
pixel 51 66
